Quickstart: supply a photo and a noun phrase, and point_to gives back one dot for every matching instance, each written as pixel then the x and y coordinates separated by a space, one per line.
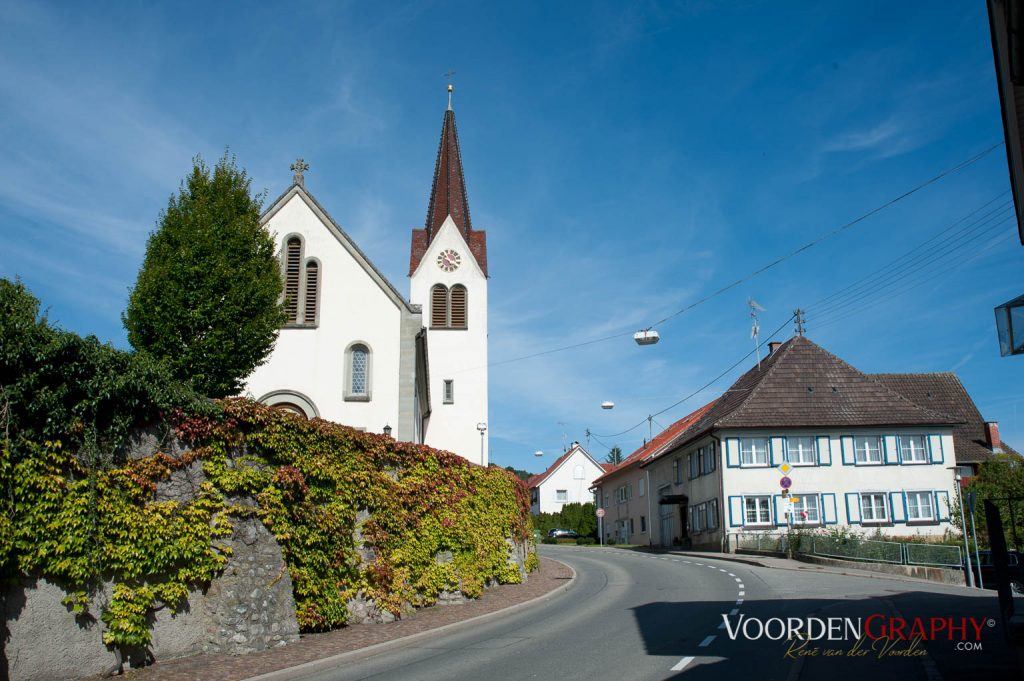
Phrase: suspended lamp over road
pixel 538 453
pixel 646 337
pixel 607 405
pixel 1010 327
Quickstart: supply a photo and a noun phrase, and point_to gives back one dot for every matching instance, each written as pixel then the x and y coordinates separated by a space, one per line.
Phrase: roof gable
pixel 538 479
pixel 300 192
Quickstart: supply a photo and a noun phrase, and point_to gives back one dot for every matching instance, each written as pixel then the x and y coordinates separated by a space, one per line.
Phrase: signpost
pixel 600 524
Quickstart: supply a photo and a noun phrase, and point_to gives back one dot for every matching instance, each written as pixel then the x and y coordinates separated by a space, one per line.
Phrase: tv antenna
pixel 755 329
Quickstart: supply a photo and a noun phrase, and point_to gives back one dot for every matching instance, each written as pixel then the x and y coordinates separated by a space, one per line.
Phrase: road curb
pixel 306 668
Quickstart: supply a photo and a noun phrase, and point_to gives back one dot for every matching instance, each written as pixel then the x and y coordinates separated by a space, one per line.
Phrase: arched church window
pixel 292 277
pixel 312 293
pixel 439 307
pixel 357 387
pixel 458 307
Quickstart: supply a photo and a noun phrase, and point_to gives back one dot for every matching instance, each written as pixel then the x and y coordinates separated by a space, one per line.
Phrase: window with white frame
pixel 873 508
pixel 561 495
pixel 757 510
pixel 702 518
pixel 449 391
pixel 913 449
pixel 694 466
pixel 919 506
pixel 621 494
pixel 806 511
pixel 867 449
pixel 357 383
pixel 709 458
pixel 800 450
pixel 754 451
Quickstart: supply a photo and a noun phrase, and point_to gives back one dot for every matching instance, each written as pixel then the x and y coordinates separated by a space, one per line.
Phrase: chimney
pixel 992 436
pixel 773 346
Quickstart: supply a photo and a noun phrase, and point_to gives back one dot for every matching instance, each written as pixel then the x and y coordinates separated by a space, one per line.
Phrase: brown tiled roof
pixel 654 447
pixel 803 385
pixel 448 197
pixel 536 480
pixel 944 393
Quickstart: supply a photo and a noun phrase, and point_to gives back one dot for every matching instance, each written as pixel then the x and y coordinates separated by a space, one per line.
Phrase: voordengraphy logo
pixel 881 634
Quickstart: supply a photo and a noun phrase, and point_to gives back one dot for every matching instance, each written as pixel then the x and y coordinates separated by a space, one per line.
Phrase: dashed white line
pixel 731 574
pixel 679 666
pixel 743 593
pixel 739 601
pixel 738 579
pixel 732 613
pixel 721 569
pixel 706 642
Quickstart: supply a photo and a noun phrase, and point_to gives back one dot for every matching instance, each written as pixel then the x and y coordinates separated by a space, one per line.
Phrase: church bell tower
pixel 448 277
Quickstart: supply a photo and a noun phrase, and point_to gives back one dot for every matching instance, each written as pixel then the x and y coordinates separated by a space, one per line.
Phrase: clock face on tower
pixel 448 260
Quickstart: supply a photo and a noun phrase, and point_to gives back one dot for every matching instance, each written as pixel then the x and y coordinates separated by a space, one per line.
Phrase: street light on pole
pixel 963 531
pixel 482 427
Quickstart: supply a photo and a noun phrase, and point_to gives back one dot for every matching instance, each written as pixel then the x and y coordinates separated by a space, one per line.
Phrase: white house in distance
pixel 866 451
pixel 354 350
pixel 567 481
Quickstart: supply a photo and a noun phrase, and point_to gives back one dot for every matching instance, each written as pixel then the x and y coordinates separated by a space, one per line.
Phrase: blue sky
pixel 626 159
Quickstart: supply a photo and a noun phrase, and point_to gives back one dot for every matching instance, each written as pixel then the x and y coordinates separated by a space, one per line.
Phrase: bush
pixel 585 541
pixel 548 540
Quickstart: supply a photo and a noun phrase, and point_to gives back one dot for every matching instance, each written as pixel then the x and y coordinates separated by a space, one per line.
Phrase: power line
pixel 706 385
pixel 910 269
pixel 945 173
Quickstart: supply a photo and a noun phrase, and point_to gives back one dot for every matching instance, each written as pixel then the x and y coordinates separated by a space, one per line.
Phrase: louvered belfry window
pixel 293 265
pixel 458 309
pixel 439 307
pixel 312 292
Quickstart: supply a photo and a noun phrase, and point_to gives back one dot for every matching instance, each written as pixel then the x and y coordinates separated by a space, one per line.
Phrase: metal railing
pixel 852 548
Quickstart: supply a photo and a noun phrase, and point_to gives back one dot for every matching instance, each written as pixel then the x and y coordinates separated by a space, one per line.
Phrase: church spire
pixel 448 194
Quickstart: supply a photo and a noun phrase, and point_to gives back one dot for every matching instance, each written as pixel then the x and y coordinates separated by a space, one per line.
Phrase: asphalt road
pixel 634 616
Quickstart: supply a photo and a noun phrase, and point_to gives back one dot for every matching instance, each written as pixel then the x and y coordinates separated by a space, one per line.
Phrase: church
pixel 354 350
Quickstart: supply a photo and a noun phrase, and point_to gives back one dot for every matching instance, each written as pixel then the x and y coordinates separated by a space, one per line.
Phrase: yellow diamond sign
pixel 785 469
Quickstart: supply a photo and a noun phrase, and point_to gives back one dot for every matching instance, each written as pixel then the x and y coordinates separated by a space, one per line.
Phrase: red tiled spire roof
pixel 448 197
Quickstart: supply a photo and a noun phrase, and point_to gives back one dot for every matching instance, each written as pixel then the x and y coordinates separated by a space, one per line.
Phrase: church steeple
pixel 448 198
pixel 448 194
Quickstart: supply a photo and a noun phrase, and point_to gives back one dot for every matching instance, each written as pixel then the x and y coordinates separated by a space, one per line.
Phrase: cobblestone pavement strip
pixel 552 574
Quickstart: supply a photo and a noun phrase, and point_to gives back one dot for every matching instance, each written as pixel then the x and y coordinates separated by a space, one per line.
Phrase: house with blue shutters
pixel 858 451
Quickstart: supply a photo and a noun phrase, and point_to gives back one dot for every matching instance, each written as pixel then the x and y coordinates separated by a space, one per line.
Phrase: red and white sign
pixel 600 513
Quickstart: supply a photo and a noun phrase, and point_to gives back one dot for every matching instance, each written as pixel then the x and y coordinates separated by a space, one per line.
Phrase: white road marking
pixel 732 612
pixel 731 574
pixel 738 580
pixel 739 601
pixel 675 560
pixel 679 666
pixel 706 642
pixel 743 593
pixel 721 569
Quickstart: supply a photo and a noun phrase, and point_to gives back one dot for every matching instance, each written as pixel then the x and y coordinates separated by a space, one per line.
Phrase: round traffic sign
pixel 785 483
pixel 600 513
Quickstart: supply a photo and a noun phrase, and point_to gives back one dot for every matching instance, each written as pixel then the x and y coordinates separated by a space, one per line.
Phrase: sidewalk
pixel 552 577
pixel 779 563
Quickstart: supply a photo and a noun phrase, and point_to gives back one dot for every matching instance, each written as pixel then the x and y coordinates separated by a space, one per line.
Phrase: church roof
pixel 448 197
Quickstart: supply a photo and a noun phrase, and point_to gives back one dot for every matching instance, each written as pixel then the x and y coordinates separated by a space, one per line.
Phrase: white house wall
pixel 459 355
pixel 627 513
pixel 576 483
pixel 353 307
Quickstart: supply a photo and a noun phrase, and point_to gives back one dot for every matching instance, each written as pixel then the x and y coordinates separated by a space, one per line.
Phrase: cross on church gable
pixel 300 166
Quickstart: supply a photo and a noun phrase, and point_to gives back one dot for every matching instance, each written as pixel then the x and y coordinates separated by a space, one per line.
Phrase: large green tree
pixel 614 456
pixel 207 300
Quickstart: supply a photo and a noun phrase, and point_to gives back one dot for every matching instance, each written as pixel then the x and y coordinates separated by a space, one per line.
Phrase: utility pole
pixel 798 317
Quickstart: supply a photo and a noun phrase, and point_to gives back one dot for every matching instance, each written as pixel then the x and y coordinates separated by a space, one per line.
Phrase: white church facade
pixel 354 350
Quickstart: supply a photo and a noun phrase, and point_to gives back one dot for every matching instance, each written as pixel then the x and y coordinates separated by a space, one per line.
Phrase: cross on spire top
pixel 450 88
pixel 299 167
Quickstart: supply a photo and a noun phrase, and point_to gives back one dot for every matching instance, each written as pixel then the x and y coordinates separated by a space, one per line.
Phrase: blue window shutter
pixel 892 450
pixel 935 447
pixel 853 508
pixel 732 452
pixel 847 444
pixel 735 511
pixel 829 512
pixel 898 507
pixel 942 506
pixel 824 451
